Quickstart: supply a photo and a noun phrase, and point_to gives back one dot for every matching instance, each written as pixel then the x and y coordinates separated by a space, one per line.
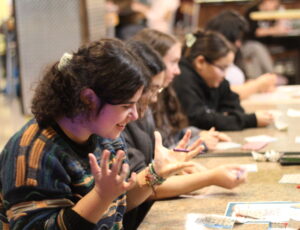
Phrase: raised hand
pixel 110 183
pixel 195 148
pixel 168 162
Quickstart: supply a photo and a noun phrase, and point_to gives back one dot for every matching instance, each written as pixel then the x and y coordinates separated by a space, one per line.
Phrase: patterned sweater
pixel 43 174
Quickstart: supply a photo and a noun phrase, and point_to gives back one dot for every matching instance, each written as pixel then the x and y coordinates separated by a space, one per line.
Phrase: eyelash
pixel 127 106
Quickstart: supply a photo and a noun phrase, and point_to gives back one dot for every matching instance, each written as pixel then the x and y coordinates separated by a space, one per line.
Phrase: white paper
pixel 261 138
pixel 227 145
pixel 250 167
pixel 290 179
pixel 297 139
pixel 293 113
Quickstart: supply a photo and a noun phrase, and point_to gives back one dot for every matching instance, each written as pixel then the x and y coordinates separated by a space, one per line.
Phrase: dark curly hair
pixel 106 66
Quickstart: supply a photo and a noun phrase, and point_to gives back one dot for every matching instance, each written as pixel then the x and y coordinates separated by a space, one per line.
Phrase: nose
pixel 134 113
pixel 177 70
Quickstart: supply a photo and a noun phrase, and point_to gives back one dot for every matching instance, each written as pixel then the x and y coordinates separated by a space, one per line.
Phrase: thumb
pixel 158 139
pixel 212 129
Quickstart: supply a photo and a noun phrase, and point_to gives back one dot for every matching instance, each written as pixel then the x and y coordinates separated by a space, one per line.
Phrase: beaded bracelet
pixel 152 178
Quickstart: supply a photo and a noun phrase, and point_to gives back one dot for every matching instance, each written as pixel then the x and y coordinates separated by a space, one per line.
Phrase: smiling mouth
pixel 122 126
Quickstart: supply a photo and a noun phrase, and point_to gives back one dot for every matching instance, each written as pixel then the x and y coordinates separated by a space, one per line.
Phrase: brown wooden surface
pixel 261 186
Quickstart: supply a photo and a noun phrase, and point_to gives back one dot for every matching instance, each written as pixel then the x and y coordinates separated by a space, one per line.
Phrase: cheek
pixel 213 80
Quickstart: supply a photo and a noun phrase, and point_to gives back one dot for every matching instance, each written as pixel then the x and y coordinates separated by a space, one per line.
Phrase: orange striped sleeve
pixel 28 135
pixel 20 173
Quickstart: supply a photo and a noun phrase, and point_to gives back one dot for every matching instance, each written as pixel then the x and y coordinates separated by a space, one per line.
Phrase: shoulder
pixel 31 144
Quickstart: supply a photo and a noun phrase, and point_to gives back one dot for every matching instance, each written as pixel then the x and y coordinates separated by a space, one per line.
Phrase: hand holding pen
pixel 184 148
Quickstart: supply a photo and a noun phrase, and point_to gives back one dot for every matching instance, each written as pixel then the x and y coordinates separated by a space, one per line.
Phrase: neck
pixel 74 129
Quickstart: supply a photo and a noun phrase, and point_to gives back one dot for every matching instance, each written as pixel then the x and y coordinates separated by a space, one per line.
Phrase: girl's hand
pixel 212 137
pixel 195 147
pixel 228 176
pixel 168 162
pixel 263 118
pixel 110 183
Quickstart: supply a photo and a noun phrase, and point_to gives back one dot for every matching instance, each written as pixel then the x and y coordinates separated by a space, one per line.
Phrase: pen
pixel 181 150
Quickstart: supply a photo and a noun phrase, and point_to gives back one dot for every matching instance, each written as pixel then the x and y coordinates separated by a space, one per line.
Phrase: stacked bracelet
pixel 152 178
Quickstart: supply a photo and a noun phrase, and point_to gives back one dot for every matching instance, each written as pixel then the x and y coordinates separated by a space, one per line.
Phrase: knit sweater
pixel 43 174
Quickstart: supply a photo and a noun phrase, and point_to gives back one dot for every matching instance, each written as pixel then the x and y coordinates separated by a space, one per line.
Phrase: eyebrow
pixel 129 102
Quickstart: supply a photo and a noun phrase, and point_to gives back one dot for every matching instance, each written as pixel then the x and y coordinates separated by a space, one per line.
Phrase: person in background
pixel 263 28
pixel 130 21
pixel 160 14
pixel 234 26
pixel 167 112
pixel 67 167
pixel 204 94
pixel 140 140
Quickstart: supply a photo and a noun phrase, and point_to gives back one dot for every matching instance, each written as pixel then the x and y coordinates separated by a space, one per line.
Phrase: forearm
pixel 92 207
pixel 245 90
pixel 140 192
pixel 182 184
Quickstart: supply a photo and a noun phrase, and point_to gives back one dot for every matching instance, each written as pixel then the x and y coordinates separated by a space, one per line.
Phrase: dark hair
pixel 150 57
pixel 159 41
pixel 153 64
pixel 229 23
pixel 168 115
pixel 106 66
pixel 168 106
pixel 210 44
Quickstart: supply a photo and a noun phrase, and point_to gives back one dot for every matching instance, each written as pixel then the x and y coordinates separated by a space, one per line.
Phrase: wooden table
pixel 261 186
pixel 282 97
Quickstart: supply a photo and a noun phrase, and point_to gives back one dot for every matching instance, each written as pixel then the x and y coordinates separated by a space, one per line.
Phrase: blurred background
pixel 34 34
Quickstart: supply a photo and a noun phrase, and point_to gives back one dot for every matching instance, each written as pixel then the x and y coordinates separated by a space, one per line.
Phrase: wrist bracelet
pixel 152 178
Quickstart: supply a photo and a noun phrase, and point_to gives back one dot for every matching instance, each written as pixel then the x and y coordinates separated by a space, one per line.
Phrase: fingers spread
pixel 104 162
pixel 94 164
pixel 116 167
pixel 130 182
pixel 185 140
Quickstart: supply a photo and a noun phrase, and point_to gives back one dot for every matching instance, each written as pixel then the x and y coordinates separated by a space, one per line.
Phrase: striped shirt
pixel 42 175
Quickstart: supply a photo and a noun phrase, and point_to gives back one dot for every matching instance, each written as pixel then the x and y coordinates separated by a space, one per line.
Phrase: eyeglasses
pixel 221 68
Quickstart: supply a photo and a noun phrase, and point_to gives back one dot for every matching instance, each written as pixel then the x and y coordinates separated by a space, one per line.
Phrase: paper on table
pixel 261 138
pixel 250 167
pixel 293 113
pixel 208 221
pixel 297 139
pixel 227 145
pixel 260 212
pixel 254 145
pixel 290 179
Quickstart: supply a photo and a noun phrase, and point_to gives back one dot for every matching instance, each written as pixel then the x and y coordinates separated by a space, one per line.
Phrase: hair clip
pixel 64 60
pixel 190 40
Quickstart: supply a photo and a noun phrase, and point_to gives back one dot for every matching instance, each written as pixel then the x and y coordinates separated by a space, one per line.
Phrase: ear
pixel 199 62
pixel 89 97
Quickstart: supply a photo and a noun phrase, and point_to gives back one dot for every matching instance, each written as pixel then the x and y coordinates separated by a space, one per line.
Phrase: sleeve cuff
pixel 251 121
